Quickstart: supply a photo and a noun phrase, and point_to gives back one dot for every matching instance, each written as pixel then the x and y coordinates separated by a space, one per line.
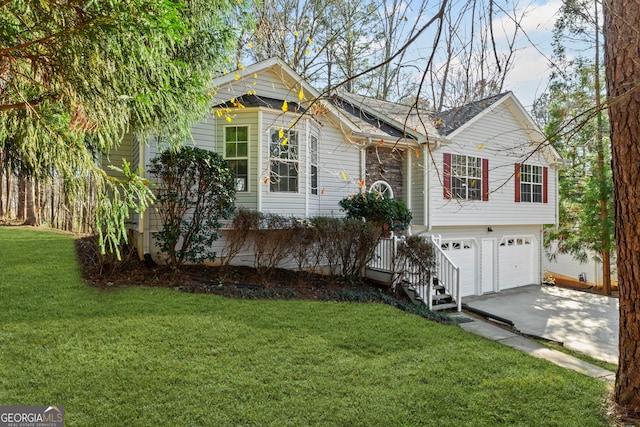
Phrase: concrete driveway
pixel 584 322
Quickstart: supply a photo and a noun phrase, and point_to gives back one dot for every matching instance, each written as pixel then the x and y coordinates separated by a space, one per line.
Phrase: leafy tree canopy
pixel 75 75
pixel 572 127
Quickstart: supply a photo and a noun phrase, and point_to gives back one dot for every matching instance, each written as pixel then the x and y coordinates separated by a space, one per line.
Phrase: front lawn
pixel 142 356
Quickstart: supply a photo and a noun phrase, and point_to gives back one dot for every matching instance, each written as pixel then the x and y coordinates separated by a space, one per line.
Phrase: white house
pixel 480 178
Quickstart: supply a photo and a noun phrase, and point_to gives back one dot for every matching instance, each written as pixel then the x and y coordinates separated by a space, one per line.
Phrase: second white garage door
pixel 517 261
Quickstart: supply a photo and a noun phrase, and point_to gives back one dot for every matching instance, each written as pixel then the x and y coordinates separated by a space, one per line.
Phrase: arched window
pixel 382 188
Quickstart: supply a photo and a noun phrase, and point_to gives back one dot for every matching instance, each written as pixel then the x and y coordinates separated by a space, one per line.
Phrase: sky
pixel 531 71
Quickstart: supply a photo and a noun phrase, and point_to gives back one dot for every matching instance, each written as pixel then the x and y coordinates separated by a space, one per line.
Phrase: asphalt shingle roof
pixel 412 118
pixel 456 117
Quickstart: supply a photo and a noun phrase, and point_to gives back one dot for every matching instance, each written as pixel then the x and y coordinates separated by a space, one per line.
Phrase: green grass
pixel 153 357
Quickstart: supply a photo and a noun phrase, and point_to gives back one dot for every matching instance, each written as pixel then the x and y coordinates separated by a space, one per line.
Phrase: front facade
pixel 482 185
pixel 478 179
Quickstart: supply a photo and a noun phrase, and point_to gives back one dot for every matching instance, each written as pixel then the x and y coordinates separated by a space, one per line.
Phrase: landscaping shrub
pixel 196 188
pixel 417 255
pixel 271 242
pixel 392 214
pixel 345 244
pixel 303 245
pixel 325 250
pixel 356 244
pixel 244 220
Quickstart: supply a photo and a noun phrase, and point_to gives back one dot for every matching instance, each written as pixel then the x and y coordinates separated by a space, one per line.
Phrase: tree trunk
pixel 2 210
pixel 32 199
pixel 623 78
pixel 605 243
pixel 8 204
pixel 22 198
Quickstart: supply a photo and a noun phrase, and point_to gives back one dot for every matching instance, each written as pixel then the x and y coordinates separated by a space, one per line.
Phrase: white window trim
pixel 533 172
pixel 295 161
pixel 247 158
pixel 466 177
pixel 382 188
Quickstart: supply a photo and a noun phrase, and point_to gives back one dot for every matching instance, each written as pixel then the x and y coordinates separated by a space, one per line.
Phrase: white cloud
pixel 535 19
pixel 530 74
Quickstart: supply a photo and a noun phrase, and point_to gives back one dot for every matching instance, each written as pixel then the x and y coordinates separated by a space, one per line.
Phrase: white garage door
pixel 463 254
pixel 516 262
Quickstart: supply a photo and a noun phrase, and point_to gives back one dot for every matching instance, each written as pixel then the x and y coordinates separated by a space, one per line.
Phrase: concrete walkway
pixel 518 342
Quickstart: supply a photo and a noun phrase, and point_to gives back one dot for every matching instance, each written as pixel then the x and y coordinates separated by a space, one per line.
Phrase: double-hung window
pixel 283 163
pixel 531 183
pixel 466 177
pixel 236 151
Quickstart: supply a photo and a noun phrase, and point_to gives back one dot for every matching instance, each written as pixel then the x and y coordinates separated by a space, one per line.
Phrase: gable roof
pixel 445 125
pixel 455 118
pixel 368 117
pixel 458 119
pixel 289 78
pixel 372 123
pixel 406 120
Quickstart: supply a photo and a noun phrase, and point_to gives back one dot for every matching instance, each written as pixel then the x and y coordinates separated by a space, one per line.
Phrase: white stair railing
pixel 448 273
pixel 385 254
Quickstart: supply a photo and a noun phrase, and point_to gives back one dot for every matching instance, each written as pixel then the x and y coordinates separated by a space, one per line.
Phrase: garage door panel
pixel 516 261
pixel 463 254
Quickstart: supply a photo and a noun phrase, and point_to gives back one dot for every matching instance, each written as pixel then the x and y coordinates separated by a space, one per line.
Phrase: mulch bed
pixel 237 282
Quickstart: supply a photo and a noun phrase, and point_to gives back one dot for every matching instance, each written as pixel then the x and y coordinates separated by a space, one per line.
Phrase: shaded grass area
pixel 141 356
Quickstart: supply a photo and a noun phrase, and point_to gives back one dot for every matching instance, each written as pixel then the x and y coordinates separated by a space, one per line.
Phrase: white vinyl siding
pixel 418 188
pixel 123 151
pixel 499 138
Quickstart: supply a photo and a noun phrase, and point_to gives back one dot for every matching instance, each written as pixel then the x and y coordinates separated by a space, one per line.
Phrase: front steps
pixel 440 300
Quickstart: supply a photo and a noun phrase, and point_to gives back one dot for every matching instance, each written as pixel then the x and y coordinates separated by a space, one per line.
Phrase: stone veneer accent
pixel 384 163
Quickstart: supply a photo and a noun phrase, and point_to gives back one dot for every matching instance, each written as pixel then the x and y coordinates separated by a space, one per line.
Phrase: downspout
pixel 145 224
pixel 428 160
pixel 363 162
pixel 557 200
pixel 426 182
pixel 409 181
pixel 307 163
pixel 259 164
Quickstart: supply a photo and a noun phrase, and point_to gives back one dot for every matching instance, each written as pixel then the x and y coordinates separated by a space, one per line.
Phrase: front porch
pixel 438 288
